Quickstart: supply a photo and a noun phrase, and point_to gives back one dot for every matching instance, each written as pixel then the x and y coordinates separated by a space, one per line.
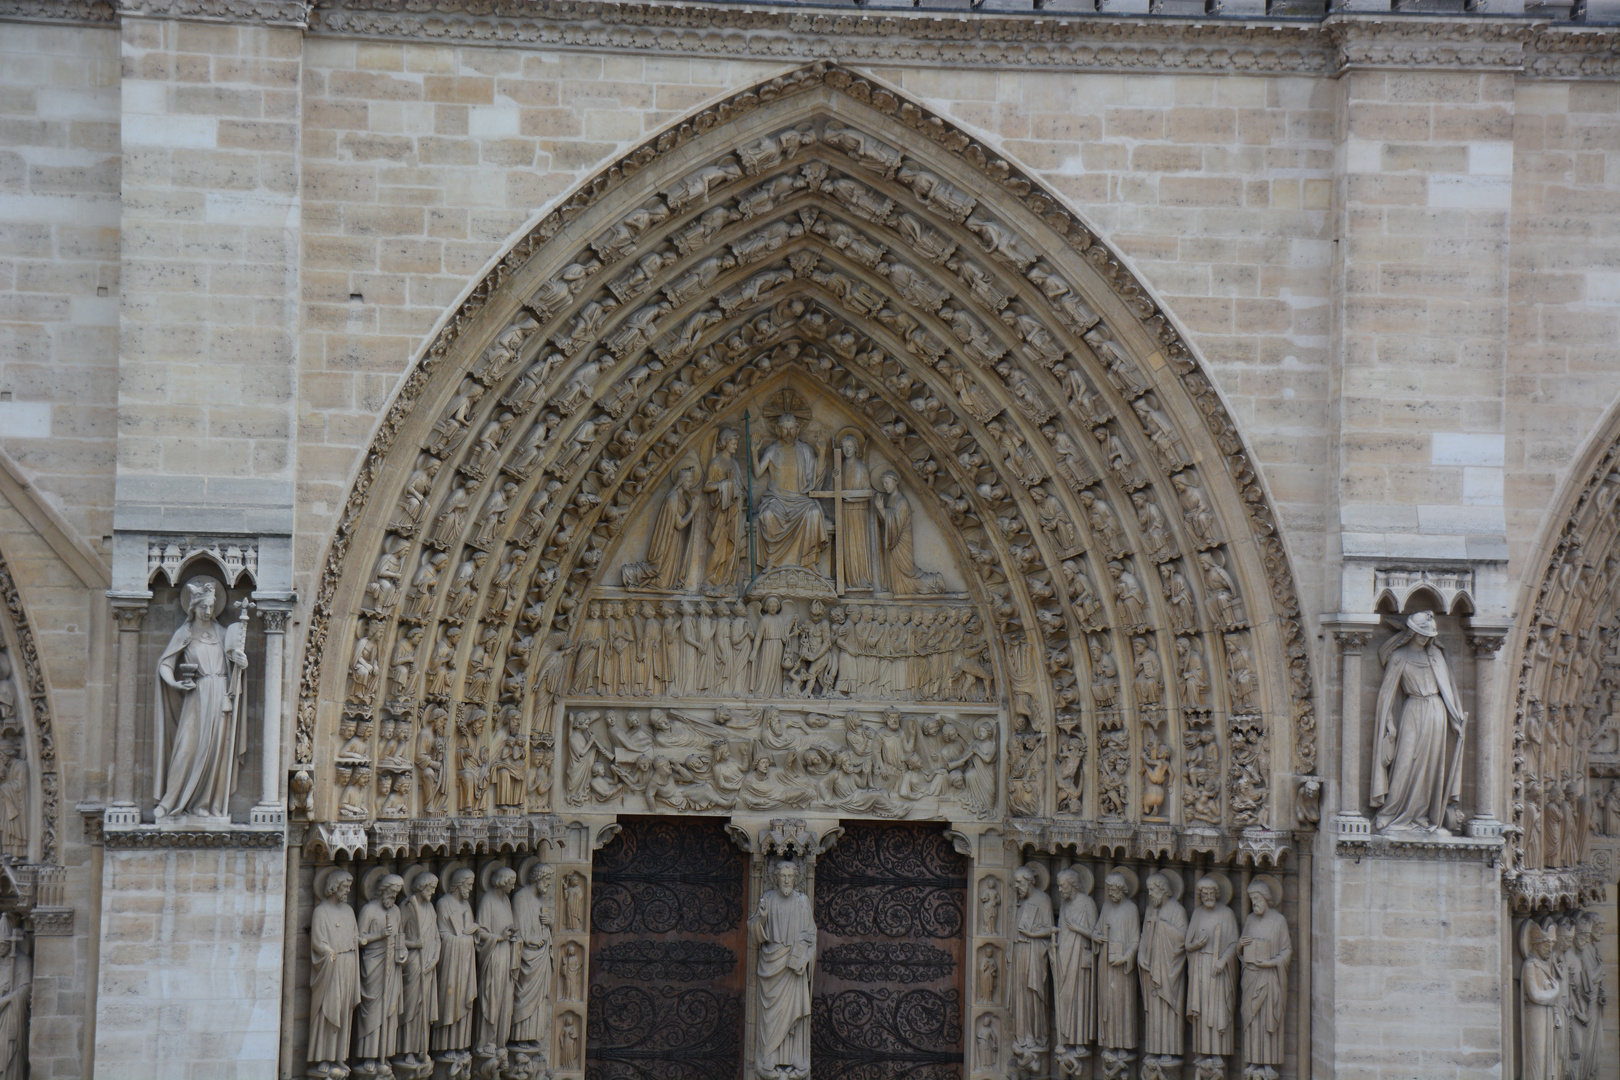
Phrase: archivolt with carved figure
pixel 809 460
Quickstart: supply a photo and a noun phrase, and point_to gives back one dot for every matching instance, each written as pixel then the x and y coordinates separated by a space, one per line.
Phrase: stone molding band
pixel 1329 46
pixel 148 838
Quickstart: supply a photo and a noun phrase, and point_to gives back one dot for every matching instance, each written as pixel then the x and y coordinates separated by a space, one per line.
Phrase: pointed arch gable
pixel 1564 650
pixel 819 228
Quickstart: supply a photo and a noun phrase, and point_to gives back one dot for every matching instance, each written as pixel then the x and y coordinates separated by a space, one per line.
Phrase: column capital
pixel 1351 632
pixel 129 614
pixel 274 619
pixel 1486 638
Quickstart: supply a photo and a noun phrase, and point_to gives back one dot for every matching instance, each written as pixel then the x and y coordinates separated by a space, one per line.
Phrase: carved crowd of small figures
pixel 777 648
pixel 875 765
pixel 1562 995
pixel 1123 976
pixel 400 980
pixel 481 564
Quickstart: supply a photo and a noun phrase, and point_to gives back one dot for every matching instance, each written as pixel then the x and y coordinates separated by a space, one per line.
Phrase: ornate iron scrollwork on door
pixel 667 942
pixel 888 1006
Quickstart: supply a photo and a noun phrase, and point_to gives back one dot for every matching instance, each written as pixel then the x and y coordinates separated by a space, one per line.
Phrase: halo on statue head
pixel 1043 876
pixel 787 402
pixel 1128 876
pixel 1529 934
pixel 486 875
pixel 220 594
pixel 371 881
pixel 526 869
pixel 447 875
pixel 1172 882
pixel 412 872
pixel 1270 883
pixel 1222 883
pixel 1084 879
pixel 325 878
pixel 854 433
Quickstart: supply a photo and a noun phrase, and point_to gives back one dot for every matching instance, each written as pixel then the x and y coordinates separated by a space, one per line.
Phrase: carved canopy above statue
pixel 809 457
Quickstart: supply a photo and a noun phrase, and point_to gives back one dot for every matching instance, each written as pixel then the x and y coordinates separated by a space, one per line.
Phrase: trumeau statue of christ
pixel 792 528
pixel 785 931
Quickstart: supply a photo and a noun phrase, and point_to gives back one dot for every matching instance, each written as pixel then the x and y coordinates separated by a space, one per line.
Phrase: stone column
pixel 271 810
pixel 1352 637
pixel 130 615
pixel 1486 731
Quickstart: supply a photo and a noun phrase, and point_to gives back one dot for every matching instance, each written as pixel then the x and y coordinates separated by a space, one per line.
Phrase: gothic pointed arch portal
pixel 808 464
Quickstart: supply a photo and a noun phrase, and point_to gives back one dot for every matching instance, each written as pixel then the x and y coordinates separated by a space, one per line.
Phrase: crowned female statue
pixel 201 739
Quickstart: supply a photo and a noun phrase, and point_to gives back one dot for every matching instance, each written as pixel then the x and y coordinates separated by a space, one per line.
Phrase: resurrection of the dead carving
pixel 814 480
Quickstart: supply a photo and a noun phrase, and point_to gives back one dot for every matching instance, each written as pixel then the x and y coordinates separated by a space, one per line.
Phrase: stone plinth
pixel 190 980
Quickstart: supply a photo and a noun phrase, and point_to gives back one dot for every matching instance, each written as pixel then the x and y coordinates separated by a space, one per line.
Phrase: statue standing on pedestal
pixel 1076 968
pixel 382 963
pixel 1539 1014
pixel 1029 993
pixel 1414 779
pixel 1161 959
pixel 334 973
pixel 420 1008
pixel 1212 939
pixel 784 929
pixel 1265 948
pixel 201 738
pixel 531 914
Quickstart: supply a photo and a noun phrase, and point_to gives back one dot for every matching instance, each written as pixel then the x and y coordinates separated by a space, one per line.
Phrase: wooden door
pixel 668 949
pixel 891 919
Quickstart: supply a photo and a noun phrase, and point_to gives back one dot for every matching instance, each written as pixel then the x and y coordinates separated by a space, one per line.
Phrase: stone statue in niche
pixel 201 738
pixel 665 565
pixel 1119 935
pixel 334 973
pixel 568 1042
pixel 988 977
pixel 1265 949
pixel 1212 944
pixel 1416 782
pixel 784 929
pixel 573 902
pixel 792 528
pixel 1162 962
pixel 726 491
pixel 419 1007
pixel 986 1042
pixel 459 934
pixel 382 964
pixel 499 947
pixel 899 550
pixel 1030 989
pixel 990 905
pixel 571 973
pixel 1076 969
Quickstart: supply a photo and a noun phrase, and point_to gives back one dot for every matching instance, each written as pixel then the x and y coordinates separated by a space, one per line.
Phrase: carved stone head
pixel 787 877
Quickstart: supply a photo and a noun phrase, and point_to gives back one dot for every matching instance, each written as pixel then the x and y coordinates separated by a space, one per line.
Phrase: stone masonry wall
pixel 191 964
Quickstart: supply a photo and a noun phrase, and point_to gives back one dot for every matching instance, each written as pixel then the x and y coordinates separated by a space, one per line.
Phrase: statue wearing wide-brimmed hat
pixel 1416 778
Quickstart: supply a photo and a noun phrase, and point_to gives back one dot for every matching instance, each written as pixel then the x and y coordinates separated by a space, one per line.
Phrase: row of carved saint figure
pixel 1123 979
pixel 1561 998
pixel 720 648
pixel 411 981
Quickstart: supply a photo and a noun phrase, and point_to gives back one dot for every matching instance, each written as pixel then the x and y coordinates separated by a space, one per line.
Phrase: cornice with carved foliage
pixel 1338 43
